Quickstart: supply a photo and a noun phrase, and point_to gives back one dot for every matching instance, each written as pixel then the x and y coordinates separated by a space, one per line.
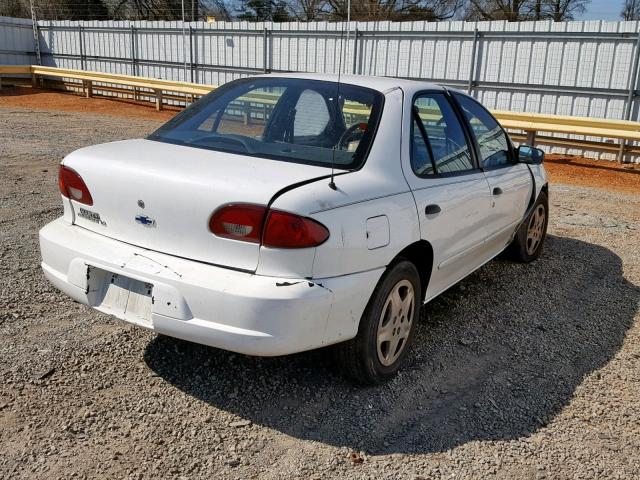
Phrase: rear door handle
pixel 432 209
pixel 497 191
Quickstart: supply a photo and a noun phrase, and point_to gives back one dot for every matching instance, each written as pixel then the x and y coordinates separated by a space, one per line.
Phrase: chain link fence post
pixel 36 34
pixel 472 68
pixel 134 63
pixel 265 51
pixel 81 41
pixel 356 51
pixel 191 64
pixel 132 42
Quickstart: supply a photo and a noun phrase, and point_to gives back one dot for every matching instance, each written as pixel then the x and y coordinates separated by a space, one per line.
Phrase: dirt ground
pixel 580 171
pixel 519 372
pixel 28 97
pixel 567 169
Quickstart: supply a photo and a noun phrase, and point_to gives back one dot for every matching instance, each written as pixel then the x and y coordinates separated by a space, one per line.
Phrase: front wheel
pixel 528 242
pixel 386 329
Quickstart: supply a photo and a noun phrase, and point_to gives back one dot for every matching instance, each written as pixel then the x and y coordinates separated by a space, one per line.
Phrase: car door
pixel 451 192
pixel 510 182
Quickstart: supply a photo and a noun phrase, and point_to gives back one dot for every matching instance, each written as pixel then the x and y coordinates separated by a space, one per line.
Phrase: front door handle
pixel 497 191
pixel 432 209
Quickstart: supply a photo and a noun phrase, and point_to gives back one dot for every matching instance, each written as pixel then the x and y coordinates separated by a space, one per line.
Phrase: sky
pixel 603 10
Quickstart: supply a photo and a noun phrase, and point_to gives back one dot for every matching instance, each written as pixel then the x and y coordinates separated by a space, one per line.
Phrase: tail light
pixel 286 230
pixel 72 186
pixel 272 228
pixel 239 222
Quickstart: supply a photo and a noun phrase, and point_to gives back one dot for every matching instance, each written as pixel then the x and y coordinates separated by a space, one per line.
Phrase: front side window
pixel 304 121
pixel 492 140
pixel 439 143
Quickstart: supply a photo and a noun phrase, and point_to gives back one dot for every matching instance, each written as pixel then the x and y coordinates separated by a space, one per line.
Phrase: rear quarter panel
pixel 377 189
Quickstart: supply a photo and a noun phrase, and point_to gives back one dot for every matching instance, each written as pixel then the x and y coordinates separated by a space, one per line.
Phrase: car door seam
pixel 532 202
pixel 440 184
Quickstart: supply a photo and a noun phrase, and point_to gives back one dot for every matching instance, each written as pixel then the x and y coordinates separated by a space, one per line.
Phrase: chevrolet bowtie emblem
pixel 145 221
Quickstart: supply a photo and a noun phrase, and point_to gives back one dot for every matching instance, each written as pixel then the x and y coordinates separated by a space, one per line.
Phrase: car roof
pixel 381 84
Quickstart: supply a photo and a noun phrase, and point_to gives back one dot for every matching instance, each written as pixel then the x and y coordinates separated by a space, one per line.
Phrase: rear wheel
pixel 386 328
pixel 528 242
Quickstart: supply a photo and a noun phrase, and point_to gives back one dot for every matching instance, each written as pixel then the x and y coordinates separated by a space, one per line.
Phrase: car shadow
pixel 495 358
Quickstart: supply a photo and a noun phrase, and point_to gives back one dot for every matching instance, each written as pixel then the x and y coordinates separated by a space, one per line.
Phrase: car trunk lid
pixel 160 196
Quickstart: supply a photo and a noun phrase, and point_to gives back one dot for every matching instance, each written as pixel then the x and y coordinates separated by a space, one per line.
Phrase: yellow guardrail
pixel 592 127
pixel 156 86
pixel 15 69
pixel 529 123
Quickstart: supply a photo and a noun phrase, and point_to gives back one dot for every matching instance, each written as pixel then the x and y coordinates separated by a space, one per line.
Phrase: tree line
pixel 307 10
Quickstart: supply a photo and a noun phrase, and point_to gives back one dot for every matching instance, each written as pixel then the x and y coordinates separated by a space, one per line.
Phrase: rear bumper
pixel 237 311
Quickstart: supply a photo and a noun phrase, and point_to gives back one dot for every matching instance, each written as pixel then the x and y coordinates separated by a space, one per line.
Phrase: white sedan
pixel 285 213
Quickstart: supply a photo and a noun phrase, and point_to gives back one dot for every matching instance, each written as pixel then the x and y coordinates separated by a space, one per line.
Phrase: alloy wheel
pixel 395 322
pixel 535 230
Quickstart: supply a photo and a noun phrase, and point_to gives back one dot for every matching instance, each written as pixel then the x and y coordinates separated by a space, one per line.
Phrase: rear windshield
pixel 303 121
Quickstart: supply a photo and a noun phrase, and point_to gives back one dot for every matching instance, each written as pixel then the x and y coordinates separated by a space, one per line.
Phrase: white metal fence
pixel 573 68
pixel 16 41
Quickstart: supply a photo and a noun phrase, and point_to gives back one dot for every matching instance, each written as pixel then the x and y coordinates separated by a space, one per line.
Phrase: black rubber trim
pixel 533 198
pixel 293 186
pixel 532 202
pixel 474 139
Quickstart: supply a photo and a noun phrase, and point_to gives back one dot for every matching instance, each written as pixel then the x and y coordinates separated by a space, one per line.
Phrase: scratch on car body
pixel 155 261
pixel 286 284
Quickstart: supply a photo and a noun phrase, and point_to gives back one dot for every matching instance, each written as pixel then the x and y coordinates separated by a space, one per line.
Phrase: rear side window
pixel 421 158
pixel 297 120
pixel 439 143
pixel 491 138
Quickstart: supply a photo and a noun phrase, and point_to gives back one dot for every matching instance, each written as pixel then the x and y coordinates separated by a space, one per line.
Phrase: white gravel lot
pixel 519 372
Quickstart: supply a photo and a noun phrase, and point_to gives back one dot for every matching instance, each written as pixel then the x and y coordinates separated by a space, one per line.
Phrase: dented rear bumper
pixel 220 307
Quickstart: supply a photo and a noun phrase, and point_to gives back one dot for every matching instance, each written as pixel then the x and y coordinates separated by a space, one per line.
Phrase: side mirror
pixel 530 155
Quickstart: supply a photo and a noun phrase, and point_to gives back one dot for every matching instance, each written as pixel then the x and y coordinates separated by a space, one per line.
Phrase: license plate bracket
pixel 125 298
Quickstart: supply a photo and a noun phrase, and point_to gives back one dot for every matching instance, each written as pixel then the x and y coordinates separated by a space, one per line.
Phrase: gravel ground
pixel 520 372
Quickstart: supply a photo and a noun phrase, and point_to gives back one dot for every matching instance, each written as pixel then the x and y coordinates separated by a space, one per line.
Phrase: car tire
pixel 528 243
pixel 386 328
